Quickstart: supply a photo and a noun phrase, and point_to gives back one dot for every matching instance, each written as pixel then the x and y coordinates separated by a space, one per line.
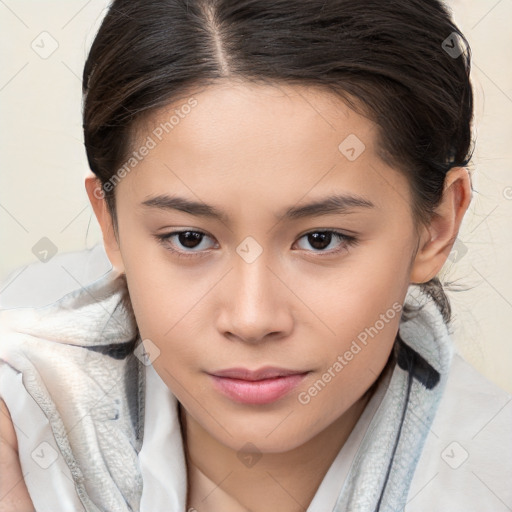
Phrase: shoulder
pixel 53 301
pixel 467 459
pixel 71 383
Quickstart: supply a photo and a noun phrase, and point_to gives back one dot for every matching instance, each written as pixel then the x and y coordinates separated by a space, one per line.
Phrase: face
pixel 259 228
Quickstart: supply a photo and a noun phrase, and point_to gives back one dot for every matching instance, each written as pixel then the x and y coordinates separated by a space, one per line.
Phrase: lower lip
pixel 259 391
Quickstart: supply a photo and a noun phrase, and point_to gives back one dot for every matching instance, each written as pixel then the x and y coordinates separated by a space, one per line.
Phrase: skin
pixel 253 151
pixel 14 495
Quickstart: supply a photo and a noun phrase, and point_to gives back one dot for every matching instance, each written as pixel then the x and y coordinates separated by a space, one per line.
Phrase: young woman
pixel 278 184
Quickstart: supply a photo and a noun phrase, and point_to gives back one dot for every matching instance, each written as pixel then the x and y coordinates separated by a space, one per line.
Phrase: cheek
pixel 361 308
pixel 161 293
pixel 167 306
pixel 351 297
pixel 164 316
pixel 351 363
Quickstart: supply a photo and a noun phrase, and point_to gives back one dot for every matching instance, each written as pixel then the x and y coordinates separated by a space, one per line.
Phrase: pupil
pixel 189 238
pixel 317 240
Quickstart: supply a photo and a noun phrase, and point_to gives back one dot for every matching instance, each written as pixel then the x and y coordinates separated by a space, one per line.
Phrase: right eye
pixel 184 242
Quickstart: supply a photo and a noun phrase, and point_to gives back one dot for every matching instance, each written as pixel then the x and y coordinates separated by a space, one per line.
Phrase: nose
pixel 256 305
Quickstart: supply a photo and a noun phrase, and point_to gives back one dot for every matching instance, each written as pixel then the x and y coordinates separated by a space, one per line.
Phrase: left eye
pixel 327 241
pixel 321 240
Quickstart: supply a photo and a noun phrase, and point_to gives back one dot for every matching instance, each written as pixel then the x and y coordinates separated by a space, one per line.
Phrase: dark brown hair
pixel 402 63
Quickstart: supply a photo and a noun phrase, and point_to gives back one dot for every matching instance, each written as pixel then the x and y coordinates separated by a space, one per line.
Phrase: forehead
pixel 280 116
pixel 274 141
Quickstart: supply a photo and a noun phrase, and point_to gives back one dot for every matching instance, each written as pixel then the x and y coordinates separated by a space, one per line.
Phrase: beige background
pixel 43 162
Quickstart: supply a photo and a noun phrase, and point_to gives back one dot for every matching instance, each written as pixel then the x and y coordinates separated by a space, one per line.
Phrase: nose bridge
pixel 255 304
pixel 254 283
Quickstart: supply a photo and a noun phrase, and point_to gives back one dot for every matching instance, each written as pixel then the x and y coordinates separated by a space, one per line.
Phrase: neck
pixel 284 481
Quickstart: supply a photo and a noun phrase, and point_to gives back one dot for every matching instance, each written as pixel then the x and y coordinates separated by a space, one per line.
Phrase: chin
pixel 268 435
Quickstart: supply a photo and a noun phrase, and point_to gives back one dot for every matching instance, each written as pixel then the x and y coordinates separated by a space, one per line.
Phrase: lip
pixel 262 386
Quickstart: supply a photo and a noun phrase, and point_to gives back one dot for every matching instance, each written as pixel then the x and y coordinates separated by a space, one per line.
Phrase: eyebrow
pixel 340 204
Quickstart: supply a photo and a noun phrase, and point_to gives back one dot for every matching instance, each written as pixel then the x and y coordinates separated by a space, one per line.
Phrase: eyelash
pixel 347 242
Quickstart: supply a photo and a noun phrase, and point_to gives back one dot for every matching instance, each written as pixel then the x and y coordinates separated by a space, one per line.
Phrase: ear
pixel 437 239
pixel 99 205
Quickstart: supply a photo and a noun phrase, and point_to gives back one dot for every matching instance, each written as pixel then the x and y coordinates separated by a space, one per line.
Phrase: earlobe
pixel 97 198
pixel 437 239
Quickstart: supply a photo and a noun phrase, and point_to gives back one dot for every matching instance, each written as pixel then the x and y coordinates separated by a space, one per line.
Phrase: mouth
pixel 262 386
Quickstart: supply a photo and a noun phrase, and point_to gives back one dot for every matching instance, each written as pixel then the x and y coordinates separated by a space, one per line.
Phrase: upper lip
pixel 268 372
